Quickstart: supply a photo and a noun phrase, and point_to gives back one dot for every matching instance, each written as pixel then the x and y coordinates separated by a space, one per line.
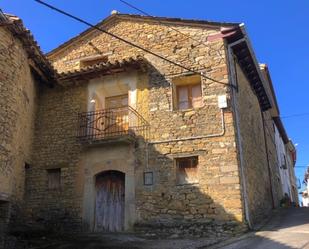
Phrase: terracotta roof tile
pixel 15 25
pixel 103 68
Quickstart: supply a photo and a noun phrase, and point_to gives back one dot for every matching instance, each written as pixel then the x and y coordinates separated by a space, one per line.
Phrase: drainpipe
pixel 232 73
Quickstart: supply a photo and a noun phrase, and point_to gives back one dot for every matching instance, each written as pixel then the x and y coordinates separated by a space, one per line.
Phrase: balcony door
pixel 117 120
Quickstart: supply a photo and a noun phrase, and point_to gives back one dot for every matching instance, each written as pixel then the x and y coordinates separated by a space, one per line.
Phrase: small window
pixel 91 61
pixel 27 166
pixel 148 178
pixel 186 170
pixel 187 92
pixel 54 178
pixel 284 163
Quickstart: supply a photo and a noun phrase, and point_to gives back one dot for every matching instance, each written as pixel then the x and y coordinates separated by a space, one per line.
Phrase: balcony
pixel 111 125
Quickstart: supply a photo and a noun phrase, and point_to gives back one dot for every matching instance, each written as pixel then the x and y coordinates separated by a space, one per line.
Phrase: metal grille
pixel 108 123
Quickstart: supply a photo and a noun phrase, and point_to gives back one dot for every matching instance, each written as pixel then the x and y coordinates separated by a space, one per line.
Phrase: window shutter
pixel 183 98
pixel 187 170
pixel 196 96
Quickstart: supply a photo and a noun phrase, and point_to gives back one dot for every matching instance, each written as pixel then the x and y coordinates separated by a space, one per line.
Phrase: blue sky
pixel 278 30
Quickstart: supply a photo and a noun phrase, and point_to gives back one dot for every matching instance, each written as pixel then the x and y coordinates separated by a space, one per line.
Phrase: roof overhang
pixel 103 69
pixel 281 129
pixel 39 64
pixel 275 111
pixel 242 49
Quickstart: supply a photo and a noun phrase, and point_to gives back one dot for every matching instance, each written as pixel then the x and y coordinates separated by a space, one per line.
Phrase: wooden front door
pixel 117 115
pixel 109 211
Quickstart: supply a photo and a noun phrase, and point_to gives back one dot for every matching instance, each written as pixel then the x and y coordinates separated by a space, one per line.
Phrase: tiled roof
pixel 94 71
pixel 15 25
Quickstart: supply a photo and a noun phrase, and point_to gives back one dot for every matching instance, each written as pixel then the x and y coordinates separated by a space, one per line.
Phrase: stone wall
pixel 253 149
pixel 18 103
pixel 56 146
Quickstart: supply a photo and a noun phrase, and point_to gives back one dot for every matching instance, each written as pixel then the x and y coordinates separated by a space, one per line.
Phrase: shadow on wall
pixel 180 202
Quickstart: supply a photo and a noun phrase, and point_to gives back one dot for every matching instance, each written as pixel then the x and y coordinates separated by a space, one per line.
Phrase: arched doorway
pixel 110 199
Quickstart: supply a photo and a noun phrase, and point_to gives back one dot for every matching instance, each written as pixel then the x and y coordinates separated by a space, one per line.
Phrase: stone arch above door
pixel 101 159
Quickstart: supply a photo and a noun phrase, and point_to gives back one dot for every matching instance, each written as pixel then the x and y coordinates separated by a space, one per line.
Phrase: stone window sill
pixel 187 184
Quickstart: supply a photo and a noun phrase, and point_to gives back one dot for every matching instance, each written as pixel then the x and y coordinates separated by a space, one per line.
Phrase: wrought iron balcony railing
pixel 110 123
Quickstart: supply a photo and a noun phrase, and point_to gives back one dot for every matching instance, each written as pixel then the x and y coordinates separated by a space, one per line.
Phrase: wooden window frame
pixel 107 99
pixel 192 165
pixel 188 81
pixel 189 89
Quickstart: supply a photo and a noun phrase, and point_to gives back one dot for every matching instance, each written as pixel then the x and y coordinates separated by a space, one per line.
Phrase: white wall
pixel 305 200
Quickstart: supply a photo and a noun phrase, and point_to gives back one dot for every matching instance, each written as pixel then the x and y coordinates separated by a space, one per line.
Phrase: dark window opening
pixel 27 166
pixel 54 178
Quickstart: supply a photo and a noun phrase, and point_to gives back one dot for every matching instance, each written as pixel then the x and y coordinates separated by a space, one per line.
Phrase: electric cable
pixel 128 42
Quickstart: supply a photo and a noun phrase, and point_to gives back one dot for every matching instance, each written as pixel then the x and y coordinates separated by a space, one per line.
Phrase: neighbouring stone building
pixel 305 192
pixel 281 150
pixel 23 68
pixel 115 138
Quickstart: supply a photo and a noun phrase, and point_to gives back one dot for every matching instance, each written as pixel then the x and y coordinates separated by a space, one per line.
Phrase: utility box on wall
pixel 222 101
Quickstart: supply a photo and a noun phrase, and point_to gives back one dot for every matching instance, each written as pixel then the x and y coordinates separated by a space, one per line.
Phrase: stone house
pixel 119 139
pixel 305 192
pixel 281 151
pixel 291 161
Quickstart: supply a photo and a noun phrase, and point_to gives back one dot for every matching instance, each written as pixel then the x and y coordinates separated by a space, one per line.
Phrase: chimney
pixel 114 12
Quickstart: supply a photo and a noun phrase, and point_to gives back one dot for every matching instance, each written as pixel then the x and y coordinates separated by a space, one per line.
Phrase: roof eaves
pixel 16 26
pixel 243 50
pixel 281 129
pixel 102 69
pixel 271 86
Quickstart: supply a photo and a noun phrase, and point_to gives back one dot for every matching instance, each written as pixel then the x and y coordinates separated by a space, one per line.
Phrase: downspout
pixel 232 73
pixel 268 164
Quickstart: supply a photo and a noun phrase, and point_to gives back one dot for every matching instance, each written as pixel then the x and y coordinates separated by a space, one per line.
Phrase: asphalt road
pixel 287 230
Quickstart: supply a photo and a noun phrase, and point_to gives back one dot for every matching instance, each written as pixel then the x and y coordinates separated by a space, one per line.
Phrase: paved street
pixel 288 230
